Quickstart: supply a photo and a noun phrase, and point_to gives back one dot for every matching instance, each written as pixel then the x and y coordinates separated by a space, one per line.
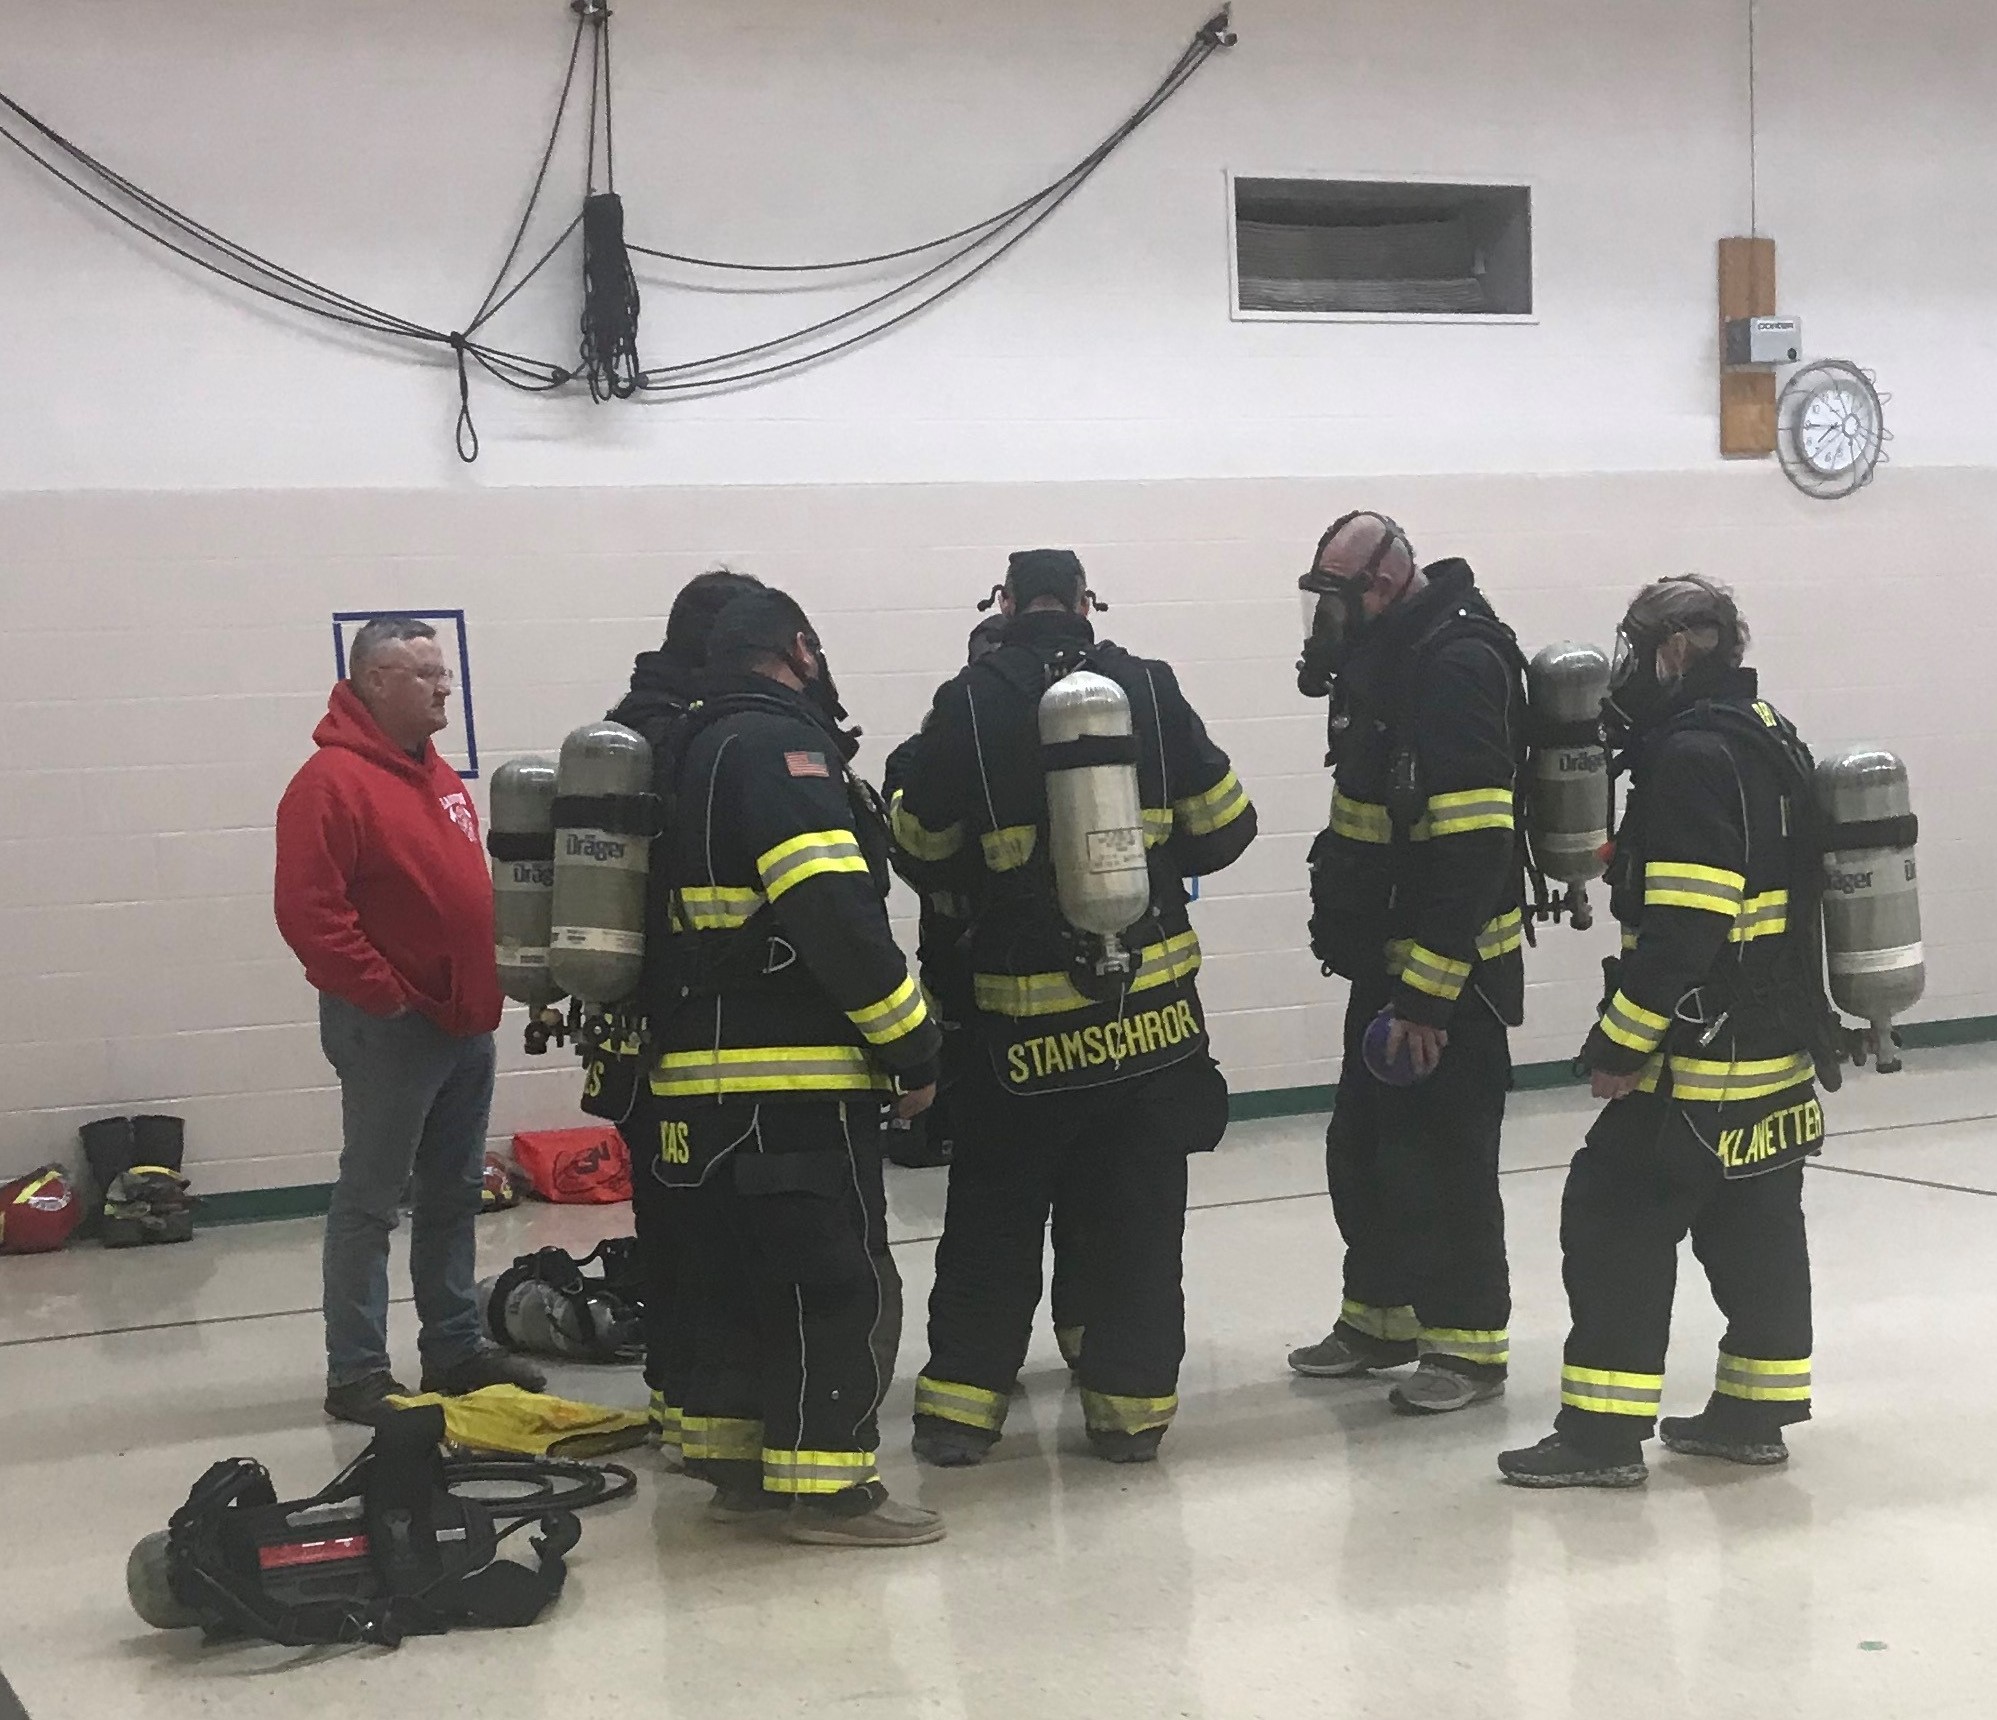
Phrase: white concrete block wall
pixel 190 487
pixel 135 875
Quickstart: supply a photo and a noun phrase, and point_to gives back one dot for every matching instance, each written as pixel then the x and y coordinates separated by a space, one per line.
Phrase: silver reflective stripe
pixel 1878 961
pixel 811 855
pixel 907 1014
pixel 1619 1394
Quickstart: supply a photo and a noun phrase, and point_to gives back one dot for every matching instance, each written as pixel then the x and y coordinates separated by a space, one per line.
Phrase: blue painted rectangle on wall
pixel 459 743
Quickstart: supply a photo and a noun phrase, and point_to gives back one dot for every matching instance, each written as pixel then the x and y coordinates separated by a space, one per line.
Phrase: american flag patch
pixel 806 764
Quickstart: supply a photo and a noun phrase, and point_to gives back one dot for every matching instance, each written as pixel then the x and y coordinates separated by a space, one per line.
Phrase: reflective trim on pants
pixel 1389 1325
pixel 1489 1349
pixel 720 1439
pixel 817 1471
pixel 1763 1381
pixel 1604 1392
pixel 968 1406
pixel 1107 1413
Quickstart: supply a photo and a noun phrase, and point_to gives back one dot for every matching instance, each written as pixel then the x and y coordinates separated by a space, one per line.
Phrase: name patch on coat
pixel 1094 1047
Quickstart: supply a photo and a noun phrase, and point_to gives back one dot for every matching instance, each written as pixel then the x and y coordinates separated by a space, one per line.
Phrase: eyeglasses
pixel 437 674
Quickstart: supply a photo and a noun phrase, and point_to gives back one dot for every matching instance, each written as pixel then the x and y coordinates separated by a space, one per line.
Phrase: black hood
pixel 661 682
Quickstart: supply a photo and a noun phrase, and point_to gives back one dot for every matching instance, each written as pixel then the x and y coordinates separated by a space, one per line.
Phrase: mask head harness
pixel 1335 603
pixel 768 623
pixel 1036 573
pixel 1639 692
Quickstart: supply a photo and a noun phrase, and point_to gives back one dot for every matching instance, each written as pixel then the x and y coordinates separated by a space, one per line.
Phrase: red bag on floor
pixel 575 1167
pixel 38 1212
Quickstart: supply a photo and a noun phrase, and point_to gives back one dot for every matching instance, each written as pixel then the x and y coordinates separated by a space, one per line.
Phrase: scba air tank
pixel 522 845
pixel 1569 804
pixel 1872 901
pixel 1095 818
pixel 605 813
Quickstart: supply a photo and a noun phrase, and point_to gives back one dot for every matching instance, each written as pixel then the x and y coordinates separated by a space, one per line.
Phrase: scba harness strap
pixel 387 1550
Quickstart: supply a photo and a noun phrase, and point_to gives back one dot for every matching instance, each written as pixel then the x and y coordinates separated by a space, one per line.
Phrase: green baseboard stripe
pixel 247 1206
pixel 250 1205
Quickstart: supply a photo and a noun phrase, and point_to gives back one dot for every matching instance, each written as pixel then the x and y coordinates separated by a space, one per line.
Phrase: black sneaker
pixel 485 1366
pixel 1127 1447
pixel 1555 1463
pixel 1343 1353
pixel 364 1402
pixel 1695 1436
pixel 949 1444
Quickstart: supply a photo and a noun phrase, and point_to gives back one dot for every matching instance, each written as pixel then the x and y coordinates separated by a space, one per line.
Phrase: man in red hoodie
pixel 383 894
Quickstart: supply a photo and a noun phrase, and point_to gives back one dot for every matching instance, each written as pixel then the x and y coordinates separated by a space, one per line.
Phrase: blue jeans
pixel 414 1101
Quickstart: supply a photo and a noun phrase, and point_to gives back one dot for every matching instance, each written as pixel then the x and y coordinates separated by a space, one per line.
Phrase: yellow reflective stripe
pixel 1437 975
pixel 667 1419
pixel 1629 939
pixel 1361 820
pixel 790 863
pixel 720 1439
pixel 1679 884
pixel 1766 712
pixel 917 839
pixel 970 1406
pixel 817 1471
pixel 1608 1393
pixel 1104 1412
pixel 1019 994
pixel 1501 936
pixel 34 1188
pixel 1157 825
pixel 1763 1381
pixel 1700 1080
pixel 1470 809
pixel 1009 849
pixel 1763 916
pixel 1218 807
pixel 1389 1325
pixel 765 1069
pixel 718 907
pixel 1491 1348
pixel 901 1011
pixel 1632 1026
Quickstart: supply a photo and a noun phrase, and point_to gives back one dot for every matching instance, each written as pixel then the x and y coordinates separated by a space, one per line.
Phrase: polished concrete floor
pixel 1299 1551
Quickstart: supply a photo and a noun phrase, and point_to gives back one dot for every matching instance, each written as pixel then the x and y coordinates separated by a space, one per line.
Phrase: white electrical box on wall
pixel 1764 340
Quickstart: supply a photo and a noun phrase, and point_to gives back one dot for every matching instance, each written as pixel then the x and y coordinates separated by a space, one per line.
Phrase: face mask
pixel 1334 616
pixel 1636 693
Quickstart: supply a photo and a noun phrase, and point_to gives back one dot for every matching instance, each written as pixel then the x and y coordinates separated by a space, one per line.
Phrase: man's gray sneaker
pixel 884 1523
pixel 1435 1388
pixel 1340 1354
pixel 364 1402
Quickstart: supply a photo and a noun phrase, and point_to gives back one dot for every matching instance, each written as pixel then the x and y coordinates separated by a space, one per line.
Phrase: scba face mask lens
pixel 1333 613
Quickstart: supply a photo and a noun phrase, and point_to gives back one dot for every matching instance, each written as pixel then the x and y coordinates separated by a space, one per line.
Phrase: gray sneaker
pixel 364 1402
pixel 1338 1355
pixel 1435 1388
pixel 736 1505
pixel 883 1524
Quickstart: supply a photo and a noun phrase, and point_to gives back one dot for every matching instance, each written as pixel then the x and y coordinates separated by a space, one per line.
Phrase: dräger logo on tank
pixel 593 848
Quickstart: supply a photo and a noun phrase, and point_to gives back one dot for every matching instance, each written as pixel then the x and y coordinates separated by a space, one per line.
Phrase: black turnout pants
pixel 1643 1181
pixel 791 1287
pixel 1116 1155
pixel 1413 1174
pixel 659 1216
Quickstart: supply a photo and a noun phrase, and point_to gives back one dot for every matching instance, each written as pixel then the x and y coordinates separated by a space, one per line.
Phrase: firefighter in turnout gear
pixel 1416 892
pixel 663 684
pixel 782 1014
pixel 1706 1053
pixel 1083 1074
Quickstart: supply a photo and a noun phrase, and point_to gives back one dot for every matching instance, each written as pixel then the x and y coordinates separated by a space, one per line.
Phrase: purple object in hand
pixel 1398 1071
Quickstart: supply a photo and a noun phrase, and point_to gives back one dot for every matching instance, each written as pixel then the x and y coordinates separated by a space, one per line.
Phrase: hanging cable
pixel 609 357
pixel 680 378
pixel 1217 31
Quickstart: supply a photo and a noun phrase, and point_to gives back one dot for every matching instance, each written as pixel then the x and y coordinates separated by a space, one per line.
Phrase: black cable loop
pixel 679 381
pixel 540 179
pixel 1025 203
pixel 466 435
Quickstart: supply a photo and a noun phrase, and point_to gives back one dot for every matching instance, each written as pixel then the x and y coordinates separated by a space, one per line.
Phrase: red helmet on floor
pixel 38 1212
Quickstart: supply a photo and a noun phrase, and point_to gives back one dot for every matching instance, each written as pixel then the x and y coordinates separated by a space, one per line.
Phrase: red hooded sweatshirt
pixel 382 886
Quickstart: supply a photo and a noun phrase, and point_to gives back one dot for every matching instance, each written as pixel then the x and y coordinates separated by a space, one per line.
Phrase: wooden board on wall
pixel 1747 397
